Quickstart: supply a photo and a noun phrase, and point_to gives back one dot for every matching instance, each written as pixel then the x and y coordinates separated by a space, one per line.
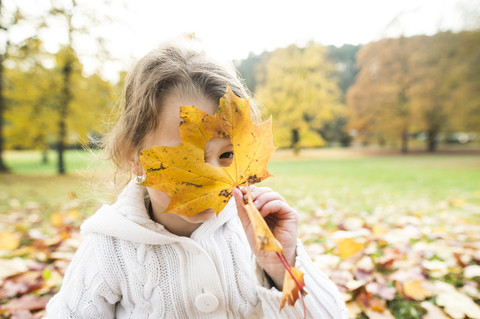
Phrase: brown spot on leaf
pixel 254 179
pixel 225 192
pixel 153 169
pixel 190 184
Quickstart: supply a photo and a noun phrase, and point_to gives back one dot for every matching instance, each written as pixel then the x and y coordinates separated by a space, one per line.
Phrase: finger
pixel 242 214
pixel 257 191
pixel 266 197
pixel 238 195
pixel 245 188
pixel 279 209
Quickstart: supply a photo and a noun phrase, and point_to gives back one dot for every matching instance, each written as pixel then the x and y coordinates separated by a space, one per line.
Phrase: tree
pixel 33 92
pixel 9 19
pixel 30 93
pixel 299 89
pixel 467 92
pixel 420 84
pixel 379 103
pixel 345 60
pixel 67 11
pixel 248 69
pixel 436 78
pixel 346 70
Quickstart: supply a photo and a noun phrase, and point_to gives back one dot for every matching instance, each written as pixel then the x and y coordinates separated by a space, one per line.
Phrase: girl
pixel 136 261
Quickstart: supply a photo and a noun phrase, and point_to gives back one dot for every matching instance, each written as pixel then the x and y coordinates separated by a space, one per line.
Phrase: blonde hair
pixel 177 67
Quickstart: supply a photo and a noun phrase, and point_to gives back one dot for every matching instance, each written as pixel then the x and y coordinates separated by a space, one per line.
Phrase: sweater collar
pixel 128 219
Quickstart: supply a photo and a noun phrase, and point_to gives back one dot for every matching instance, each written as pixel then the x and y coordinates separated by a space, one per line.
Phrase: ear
pixel 136 166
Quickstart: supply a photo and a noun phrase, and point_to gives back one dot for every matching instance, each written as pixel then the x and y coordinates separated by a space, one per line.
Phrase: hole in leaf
pixel 219 152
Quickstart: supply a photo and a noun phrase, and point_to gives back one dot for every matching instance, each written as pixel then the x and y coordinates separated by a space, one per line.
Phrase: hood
pixel 128 219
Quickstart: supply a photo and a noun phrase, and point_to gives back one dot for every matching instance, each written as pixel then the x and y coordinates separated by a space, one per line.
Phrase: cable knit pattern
pixel 128 266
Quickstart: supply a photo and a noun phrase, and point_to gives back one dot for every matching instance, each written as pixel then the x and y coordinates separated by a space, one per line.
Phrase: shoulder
pixel 103 257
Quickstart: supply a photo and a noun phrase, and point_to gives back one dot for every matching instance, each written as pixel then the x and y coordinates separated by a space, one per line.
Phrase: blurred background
pixel 376 112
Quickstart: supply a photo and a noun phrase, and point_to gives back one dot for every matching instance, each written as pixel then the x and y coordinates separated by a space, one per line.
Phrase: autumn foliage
pixel 406 86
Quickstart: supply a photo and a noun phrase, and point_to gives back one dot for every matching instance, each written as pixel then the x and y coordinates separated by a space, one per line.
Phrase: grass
pixel 348 178
pixel 30 162
pixel 364 182
pixel 32 184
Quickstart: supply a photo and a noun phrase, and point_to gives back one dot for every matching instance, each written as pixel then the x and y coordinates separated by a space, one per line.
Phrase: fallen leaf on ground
pixel 22 314
pixel 26 302
pixel 415 289
pixel 348 247
pixel 385 314
pixel 456 304
pixel 11 267
pixel 9 240
pixel 21 284
pixel 472 271
pixel 433 312
pixel 353 310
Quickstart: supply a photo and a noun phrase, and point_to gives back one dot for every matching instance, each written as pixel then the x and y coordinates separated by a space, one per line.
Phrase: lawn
pixel 33 184
pixel 31 162
pixel 399 235
pixel 366 182
pixel 351 179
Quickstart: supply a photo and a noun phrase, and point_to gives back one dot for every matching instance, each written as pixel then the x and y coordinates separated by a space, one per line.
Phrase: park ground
pixel 398 234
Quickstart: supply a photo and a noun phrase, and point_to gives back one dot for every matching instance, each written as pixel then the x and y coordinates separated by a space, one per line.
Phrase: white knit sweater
pixel 128 266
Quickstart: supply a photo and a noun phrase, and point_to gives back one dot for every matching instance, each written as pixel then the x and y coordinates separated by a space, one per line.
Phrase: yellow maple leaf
pixel 348 247
pixel 415 290
pixel 181 171
pixel 9 240
pixel 57 219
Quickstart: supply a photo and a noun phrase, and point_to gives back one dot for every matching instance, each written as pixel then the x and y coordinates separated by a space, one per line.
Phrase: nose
pixel 219 152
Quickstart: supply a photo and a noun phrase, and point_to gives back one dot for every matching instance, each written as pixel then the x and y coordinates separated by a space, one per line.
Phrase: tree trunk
pixel 404 142
pixel 295 140
pixel 3 167
pixel 432 141
pixel 381 141
pixel 66 97
pixel 45 156
pixel 61 144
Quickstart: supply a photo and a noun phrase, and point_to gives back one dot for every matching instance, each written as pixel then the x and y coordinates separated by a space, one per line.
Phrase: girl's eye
pixel 226 155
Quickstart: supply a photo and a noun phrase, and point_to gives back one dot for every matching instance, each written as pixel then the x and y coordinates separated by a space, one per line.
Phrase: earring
pixel 140 178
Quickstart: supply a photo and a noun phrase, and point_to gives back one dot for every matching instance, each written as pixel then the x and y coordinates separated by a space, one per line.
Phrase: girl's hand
pixel 282 220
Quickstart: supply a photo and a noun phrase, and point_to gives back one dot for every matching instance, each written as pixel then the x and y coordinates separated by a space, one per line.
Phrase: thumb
pixel 242 214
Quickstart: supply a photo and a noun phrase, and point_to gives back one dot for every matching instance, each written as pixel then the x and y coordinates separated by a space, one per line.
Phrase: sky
pixel 231 30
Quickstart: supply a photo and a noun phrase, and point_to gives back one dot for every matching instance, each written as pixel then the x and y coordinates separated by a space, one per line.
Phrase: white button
pixel 206 302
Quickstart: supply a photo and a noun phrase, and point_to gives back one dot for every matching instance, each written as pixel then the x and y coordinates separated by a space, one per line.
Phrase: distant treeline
pixel 385 92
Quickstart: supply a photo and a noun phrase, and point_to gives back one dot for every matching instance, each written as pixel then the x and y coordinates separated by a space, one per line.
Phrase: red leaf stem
pixel 300 289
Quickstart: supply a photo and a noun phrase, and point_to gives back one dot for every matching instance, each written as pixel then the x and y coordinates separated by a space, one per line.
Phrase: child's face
pixel 218 152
